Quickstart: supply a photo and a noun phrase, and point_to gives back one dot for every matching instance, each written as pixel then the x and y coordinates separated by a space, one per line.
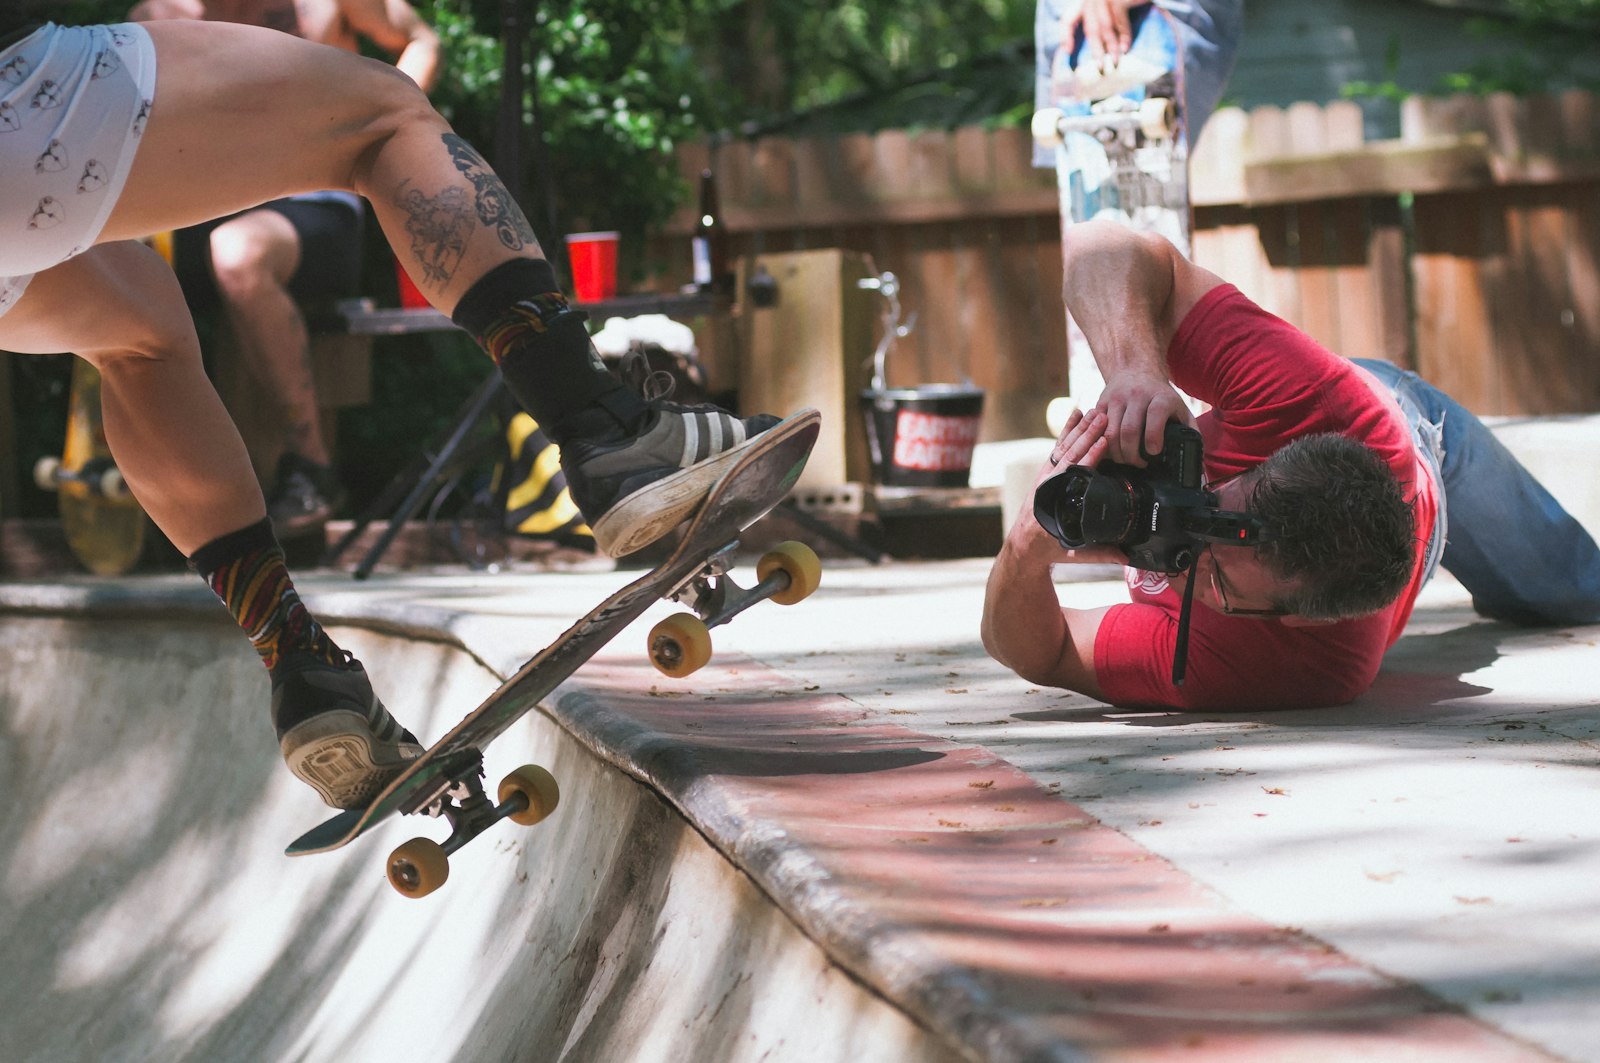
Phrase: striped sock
pixel 524 319
pixel 247 571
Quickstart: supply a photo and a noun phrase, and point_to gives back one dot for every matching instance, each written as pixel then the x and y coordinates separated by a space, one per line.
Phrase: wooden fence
pixel 1468 248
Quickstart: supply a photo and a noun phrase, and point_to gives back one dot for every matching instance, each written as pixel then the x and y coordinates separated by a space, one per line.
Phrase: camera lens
pixel 1082 506
pixel 1058 505
pixel 1108 507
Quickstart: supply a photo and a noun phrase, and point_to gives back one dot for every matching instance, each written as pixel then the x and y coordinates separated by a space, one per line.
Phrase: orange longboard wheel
pixel 418 867
pixel 538 786
pixel 680 645
pixel 800 562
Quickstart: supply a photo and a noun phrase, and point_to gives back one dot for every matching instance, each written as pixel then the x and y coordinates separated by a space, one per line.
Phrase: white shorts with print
pixel 73 105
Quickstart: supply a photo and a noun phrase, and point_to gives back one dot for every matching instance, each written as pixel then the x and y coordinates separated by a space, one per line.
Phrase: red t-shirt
pixel 1267 383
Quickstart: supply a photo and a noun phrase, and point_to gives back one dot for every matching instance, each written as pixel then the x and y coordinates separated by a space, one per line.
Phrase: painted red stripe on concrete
pixel 991 908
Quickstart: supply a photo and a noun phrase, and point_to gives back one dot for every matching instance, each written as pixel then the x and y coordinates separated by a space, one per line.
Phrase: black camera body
pixel 1160 515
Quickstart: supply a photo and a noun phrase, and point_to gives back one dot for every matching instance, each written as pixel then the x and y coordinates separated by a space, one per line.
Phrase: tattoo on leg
pixel 496 208
pixel 440 227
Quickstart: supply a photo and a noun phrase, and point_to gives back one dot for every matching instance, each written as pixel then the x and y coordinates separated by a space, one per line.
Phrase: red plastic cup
pixel 411 298
pixel 594 265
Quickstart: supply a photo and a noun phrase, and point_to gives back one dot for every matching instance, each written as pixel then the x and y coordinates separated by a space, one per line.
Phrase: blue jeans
pixel 1522 557
pixel 1209 31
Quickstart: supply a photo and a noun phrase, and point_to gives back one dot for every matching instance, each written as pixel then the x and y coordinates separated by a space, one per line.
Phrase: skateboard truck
pixel 1156 118
pixel 681 644
pixel 418 867
pixel 100 476
pixel 447 779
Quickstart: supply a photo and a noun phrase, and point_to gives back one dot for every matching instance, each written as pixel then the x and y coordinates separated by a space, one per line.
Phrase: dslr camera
pixel 1160 515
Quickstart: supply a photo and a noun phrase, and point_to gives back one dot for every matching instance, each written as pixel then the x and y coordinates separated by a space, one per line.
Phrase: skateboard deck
pixel 104 525
pixel 445 780
pixel 1121 148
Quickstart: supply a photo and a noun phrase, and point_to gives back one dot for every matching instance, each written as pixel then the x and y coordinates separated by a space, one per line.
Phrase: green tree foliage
pixel 1540 46
pixel 1546 39
pixel 610 88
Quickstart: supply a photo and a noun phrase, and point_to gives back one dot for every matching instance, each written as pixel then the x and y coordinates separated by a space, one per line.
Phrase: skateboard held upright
pixel 447 780
pixel 104 525
pixel 1121 148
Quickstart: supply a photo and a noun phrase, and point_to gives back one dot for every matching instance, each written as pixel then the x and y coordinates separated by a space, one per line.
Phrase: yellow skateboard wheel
pixel 799 562
pixel 538 786
pixel 418 867
pixel 680 645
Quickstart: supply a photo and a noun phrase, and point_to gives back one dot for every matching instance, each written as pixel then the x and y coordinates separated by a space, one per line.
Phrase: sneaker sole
pixel 654 510
pixel 334 755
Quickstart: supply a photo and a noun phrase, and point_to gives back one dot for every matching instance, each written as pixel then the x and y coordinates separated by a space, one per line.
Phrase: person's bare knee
pixel 252 252
pixel 114 302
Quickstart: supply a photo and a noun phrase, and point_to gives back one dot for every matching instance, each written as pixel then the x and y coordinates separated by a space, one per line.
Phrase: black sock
pixel 518 315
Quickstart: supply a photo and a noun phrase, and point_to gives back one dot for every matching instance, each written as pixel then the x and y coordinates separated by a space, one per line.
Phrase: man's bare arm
pixel 395 26
pixel 1026 628
pixel 1024 625
pixel 1129 292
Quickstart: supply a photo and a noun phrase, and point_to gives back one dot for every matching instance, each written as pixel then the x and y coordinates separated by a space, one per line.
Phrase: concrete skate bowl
pixel 148 912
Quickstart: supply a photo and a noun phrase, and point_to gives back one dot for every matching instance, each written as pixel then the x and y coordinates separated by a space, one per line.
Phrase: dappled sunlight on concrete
pixel 149 912
pixel 851 836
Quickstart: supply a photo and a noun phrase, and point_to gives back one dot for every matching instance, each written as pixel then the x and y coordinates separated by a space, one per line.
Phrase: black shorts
pixel 330 253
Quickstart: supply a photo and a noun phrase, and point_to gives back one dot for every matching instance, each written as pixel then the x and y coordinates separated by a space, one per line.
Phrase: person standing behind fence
pixel 1209 31
pixel 263 265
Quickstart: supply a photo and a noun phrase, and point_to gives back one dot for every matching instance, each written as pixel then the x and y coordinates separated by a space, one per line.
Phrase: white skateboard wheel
pixel 1056 414
pixel 112 485
pixel 1047 127
pixel 1158 118
pixel 45 471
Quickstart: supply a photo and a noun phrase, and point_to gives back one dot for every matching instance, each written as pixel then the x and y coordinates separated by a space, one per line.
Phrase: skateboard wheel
pixel 45 471
pixel 1158 117
pixel 799 562
pixel 1046 127
pixel 418 867
pixel 112 485
pixel 680 645
pixel 535 784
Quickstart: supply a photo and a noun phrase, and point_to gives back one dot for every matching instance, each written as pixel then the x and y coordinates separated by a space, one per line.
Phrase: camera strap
pixel 1180 646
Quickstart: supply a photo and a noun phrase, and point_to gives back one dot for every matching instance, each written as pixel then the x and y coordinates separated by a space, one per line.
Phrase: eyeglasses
pixel 1220 590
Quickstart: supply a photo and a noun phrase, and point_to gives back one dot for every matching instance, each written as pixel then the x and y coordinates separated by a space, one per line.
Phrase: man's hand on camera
pixel 1137 408
pixel 1082 442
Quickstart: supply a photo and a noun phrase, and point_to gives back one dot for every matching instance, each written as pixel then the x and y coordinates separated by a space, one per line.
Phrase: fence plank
pixel 1499 303
pixel 1454 328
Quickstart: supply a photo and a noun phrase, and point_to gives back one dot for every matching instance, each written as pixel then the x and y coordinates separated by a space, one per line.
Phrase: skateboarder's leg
pixel 228 93
pixel 183 460
pixel 118 306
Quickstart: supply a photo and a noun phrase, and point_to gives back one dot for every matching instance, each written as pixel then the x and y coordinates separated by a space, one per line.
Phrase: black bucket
pixel 922 436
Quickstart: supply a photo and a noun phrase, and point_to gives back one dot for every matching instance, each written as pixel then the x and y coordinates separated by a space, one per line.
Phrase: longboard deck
pixel 1146 187
pixel 105 534
pixel 749 490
